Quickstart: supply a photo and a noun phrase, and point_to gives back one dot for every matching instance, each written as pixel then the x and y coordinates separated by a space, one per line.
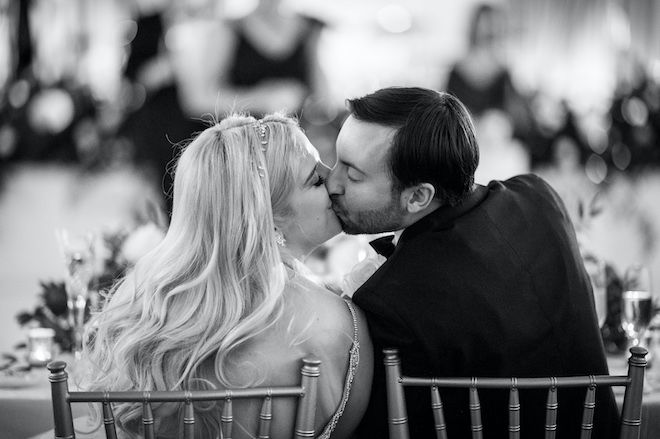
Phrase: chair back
pixel 306 393
pixel 630 417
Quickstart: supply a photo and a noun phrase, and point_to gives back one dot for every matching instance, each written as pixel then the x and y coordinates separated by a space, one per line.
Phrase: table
pixel 26 412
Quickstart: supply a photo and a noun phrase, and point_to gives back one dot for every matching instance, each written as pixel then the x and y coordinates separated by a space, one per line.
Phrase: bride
pixel 224 301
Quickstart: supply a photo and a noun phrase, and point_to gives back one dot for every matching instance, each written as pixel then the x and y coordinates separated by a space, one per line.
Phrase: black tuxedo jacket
pixel 495 286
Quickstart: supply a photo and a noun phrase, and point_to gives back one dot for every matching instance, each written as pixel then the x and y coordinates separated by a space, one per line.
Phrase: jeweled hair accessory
pixel 260 127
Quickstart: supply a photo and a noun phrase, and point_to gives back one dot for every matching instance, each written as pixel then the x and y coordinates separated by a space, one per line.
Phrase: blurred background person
pixel 481 78
pixel 154 119
pixel 263 61
pixel 482 81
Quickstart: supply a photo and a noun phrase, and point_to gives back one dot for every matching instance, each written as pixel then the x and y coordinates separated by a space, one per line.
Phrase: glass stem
pixel 77 307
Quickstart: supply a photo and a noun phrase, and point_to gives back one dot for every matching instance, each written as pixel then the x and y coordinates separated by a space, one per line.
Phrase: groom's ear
pixel 417 198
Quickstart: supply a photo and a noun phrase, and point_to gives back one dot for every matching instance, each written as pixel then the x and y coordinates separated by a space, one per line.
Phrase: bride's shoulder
pixel 319 312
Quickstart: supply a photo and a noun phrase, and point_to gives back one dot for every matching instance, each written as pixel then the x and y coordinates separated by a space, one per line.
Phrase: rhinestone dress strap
pixel 353 362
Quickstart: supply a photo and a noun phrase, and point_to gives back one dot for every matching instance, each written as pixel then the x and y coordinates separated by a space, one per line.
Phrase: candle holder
pixel 41 342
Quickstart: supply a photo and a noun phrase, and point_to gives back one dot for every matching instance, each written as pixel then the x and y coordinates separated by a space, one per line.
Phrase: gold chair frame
pixel 631 416
pixel 62 398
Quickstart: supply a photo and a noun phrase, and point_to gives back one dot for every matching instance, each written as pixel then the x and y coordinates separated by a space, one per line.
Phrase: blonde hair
pixel 218 277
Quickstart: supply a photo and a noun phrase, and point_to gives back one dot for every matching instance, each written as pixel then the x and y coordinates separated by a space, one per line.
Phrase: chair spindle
pixel 227 419
pixel 588 411
pixel 108 418
pixel 514 410
pixel 147 417
pixel 188 417
pixel 438 414
pixel 475 411
pixel 551 407
pixel 265 416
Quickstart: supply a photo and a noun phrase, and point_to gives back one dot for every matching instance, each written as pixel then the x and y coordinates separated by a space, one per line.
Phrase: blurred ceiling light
pixel 128 30
pixel 621 155
pixel 655 70
pixel 234 9
pixel 394 18
pixel 596 168
pixel 597 139
pixel 51 111
pixel 19 93
pixel 635 111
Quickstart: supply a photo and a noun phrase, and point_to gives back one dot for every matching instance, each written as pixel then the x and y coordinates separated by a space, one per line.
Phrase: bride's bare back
pixel 315 323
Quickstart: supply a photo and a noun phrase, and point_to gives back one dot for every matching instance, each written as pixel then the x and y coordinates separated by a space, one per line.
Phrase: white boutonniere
pixel 360 273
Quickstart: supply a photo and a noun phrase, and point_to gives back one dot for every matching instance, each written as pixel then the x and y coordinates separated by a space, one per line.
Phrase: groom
pixel 484 280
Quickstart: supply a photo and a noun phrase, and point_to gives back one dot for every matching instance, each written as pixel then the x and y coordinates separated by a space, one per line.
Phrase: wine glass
pixel 636 302
pixel 597 270
pixel 77 250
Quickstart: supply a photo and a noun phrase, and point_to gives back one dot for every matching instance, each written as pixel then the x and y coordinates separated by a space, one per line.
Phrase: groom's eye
pixel 352 177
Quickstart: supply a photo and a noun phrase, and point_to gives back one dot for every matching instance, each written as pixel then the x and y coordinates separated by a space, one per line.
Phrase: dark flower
pixel 55 299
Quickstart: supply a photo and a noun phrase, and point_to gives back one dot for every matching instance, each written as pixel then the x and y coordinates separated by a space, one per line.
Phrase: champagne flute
pixel 78 254
pixel 597 270
pixel 636 303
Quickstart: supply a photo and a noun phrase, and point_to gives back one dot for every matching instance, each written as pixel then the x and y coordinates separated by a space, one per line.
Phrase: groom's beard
pixel 386 219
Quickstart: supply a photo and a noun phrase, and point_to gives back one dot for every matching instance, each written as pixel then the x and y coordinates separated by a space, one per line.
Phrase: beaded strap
pixel 350 375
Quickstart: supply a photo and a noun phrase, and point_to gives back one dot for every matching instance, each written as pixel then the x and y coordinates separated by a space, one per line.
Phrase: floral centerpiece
pixel 116 251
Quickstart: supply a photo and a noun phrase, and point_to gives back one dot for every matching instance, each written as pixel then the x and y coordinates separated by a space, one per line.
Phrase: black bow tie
pixel 383 245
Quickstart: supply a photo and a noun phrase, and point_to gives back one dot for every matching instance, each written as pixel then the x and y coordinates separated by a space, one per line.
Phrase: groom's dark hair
pixel 435 141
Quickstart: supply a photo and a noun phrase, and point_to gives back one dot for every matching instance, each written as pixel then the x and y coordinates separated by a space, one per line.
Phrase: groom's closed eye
pixel 353 175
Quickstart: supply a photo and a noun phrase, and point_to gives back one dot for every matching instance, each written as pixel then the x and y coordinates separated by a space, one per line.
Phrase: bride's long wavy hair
pixel 218 277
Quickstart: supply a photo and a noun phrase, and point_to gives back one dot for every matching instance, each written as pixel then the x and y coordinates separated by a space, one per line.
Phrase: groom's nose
pixel 332 183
